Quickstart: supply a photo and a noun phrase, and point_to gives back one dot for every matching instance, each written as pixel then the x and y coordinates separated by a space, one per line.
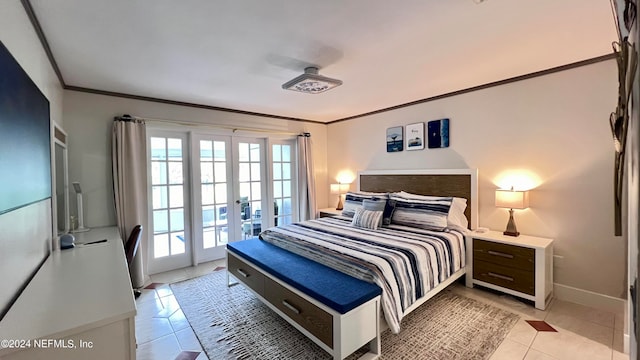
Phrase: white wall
pixel 554 128
pixel 88 122
pixel 25 234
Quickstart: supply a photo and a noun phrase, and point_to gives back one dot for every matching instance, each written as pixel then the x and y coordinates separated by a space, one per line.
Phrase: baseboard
pixel 625 343
pixel 589 298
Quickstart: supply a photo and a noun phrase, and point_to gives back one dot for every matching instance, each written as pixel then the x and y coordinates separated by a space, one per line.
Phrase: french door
pixel 170 247
pixel 209 190
pixel 229 192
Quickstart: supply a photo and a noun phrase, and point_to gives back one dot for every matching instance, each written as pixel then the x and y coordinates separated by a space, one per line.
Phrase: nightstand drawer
pixel 507 277
pixel 502 254
pixel 245 273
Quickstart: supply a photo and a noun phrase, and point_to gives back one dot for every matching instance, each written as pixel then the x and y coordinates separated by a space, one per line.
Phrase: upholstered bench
pixel 338 312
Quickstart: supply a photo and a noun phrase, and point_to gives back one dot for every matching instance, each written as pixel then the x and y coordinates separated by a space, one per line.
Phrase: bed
pixel 409 264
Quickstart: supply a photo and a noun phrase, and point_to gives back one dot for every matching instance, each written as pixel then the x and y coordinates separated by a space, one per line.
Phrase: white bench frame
pixel 351 330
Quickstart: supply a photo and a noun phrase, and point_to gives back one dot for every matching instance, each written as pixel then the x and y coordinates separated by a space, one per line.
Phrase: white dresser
pixel 79 305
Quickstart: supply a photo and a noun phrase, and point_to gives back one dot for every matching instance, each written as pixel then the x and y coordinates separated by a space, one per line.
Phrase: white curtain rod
pixel 126 117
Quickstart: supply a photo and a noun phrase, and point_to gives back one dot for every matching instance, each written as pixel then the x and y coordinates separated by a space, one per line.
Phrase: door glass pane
pixel 206 150
pixel 206 172
pixel 277 189
pixel 158 149
pixel 207 194
pixel 158 172
pixel 256 193
pixel 277 153
pixel 209 237
pixel 244 172
pixel 220 170
pixel 286 153
pixel 255 152
pixel 174 149
pixel 219 151
pixel 160 221
pixel 160 245
pixel 177 243
pixel 177 219
pixel 221 193
pixel 277 171
pixel 286 171
pixel 286 188
pixel 255 171
pixel 175 173
pixel 159 194
pixel 243 152
pixel 176 196
pixel 208 216
pixel 245 191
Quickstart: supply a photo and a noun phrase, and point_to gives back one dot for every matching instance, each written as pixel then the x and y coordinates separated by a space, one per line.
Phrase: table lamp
pixel 339 189
pixel 512 199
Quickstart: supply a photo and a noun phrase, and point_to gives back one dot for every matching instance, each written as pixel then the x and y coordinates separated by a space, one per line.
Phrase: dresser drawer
pixel 507 255
pixel 507 277
pixel 317 321
pixel 245 273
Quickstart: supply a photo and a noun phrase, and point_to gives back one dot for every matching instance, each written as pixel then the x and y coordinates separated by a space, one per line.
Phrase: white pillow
pixel 455 216
pixel 367 219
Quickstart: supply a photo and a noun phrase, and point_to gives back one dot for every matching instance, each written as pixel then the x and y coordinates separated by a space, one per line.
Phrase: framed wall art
pixel 394 139
pixel 415 136
pixel 438 133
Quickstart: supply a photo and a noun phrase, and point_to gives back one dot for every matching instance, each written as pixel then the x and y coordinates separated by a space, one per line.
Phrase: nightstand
pixel 328 212
pixel 520 266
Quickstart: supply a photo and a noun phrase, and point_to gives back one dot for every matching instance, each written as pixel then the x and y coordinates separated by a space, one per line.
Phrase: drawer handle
pixel 501 254
pixel 498 276
pixel 241 272
pixel 290 307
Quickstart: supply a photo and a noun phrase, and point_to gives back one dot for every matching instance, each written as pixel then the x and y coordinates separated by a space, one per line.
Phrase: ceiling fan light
pixel 311 82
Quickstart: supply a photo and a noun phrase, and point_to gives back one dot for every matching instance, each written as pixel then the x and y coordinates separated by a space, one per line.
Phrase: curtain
pixel 129 149
pixel 306 179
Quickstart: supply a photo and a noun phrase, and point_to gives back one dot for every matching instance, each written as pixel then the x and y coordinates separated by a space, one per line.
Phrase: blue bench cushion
pixel 333 288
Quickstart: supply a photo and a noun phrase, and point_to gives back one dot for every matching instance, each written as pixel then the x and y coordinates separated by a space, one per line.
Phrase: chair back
pixel 131 246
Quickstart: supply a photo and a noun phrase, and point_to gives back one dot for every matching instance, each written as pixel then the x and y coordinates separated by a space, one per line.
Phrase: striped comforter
pixel 405 262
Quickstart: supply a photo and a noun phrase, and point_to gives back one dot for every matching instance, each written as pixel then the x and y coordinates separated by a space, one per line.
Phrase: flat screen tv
pixel 25 179
pixel 25 142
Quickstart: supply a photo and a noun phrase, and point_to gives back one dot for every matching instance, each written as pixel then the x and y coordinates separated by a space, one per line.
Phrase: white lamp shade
pixel 339 188
pixel 512 199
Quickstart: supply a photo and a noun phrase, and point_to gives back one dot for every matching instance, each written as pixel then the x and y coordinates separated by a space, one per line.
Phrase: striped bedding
pixel 405 262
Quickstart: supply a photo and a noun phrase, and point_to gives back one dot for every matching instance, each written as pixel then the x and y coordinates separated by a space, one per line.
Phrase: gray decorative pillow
pixel 367 219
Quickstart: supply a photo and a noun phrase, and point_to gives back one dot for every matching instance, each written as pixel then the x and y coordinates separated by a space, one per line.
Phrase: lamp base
pixel 339 206
pixel 511 229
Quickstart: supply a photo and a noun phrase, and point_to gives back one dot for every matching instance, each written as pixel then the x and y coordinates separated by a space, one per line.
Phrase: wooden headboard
pixel 461 183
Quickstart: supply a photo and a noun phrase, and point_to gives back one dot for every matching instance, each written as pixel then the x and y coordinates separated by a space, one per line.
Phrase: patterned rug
pixel 231 323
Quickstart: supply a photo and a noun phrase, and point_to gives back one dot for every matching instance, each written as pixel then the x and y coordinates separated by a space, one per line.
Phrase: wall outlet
pixel 558 261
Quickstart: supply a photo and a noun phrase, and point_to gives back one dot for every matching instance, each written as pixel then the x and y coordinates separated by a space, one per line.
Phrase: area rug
pixel 231 323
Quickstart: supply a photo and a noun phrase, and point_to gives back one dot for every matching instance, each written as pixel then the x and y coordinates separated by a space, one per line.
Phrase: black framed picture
pixel 394 139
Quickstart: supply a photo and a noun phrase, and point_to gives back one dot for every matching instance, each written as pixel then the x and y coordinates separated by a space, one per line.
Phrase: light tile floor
pixel 584 333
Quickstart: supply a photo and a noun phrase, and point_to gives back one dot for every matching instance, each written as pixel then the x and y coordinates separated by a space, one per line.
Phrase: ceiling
pixel 236 54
